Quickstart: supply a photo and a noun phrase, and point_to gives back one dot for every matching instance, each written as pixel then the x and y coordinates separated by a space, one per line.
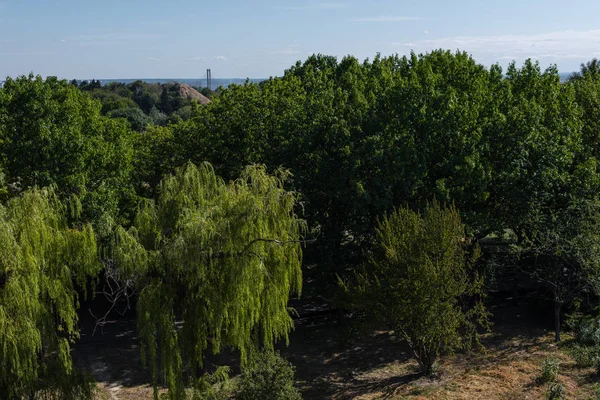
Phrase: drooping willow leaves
pixel 42 263
pixel 222 257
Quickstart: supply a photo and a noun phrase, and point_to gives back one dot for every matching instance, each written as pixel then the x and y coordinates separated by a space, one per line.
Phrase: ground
pixel 331 363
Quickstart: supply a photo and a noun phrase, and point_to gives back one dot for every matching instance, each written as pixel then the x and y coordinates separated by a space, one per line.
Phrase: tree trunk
pixel 557 309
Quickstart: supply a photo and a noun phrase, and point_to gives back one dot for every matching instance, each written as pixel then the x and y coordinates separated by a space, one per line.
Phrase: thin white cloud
pixel 387 18
pixel 198 58
pixel 30 53
pixel 63 41
pixel 287 52
pixel 330 5
pixel 220 58
pixel 316 6
pixel 551 46
pixel 153 59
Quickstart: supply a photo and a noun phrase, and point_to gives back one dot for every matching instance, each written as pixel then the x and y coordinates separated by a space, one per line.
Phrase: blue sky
pixel 261 38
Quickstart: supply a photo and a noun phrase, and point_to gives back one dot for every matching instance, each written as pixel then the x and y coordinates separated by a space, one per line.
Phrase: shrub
pixel 556 391
pixel 585 356
pixel 213 386
pixel 550 368
pixel 268 377
pixel 587 331
pixel 597 392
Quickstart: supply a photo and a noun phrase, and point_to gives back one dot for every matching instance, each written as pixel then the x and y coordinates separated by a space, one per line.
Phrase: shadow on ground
pixel 330 363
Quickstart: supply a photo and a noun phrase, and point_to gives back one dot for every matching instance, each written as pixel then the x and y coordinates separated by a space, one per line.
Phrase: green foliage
pixel 550 368
pixel 268 377
pixel 419 279
pixel 519 155
pixel 224 257
pixel 361 138
pixel 585 356
pixel 136 117
pixel 556 391
pixel 145 95
pixel 587 330
pixel 587 93
pixel 586 349
pixel 562 251
pixel 112 101
pixel 3 187
pixel 213 386
pixel 156 155
pixel 43 263
pixel 53 134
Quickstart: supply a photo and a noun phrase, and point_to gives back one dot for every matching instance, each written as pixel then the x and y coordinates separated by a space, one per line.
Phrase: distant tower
pixel 208 79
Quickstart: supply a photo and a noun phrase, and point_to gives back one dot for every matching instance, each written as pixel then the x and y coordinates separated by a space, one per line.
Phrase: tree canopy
pixel 223 257
pixel 357 149
pixel 53 134
pixel 43 266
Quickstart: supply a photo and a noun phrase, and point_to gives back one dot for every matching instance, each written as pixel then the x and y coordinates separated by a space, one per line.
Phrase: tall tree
pixel 224 257
pixel 43 266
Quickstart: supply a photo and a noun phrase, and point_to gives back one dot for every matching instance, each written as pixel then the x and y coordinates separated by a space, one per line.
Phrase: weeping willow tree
pixel 223 257
pixel 42 264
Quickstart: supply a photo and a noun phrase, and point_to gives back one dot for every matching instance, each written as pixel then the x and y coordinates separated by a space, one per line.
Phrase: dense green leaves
pixel 515 151
pixel 42 264
pixel 420 282
pixel 223 257
pixel 268 377
pixel 53 134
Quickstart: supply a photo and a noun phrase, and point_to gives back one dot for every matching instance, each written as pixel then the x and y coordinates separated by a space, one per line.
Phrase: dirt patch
pixel 188 92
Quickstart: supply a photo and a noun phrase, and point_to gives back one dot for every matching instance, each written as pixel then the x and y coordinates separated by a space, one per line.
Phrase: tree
pixel 535 149
pixel 360 138
pixel 224 257
pixel 592 67
pixel 51 133
pixel 587 94
pixel 43 265
pixel 562 251
pixel 420 282
pixel 136 117
pixel 146 95
pixel 545 170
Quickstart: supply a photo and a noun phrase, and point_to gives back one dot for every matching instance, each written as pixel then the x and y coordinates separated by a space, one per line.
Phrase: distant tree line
pixel 142 103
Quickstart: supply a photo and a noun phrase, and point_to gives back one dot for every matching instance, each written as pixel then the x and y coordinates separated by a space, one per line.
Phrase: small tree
pixel 420 282
pixel 223 257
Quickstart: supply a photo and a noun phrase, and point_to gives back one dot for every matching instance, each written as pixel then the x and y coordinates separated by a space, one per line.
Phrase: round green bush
pixel 268 377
